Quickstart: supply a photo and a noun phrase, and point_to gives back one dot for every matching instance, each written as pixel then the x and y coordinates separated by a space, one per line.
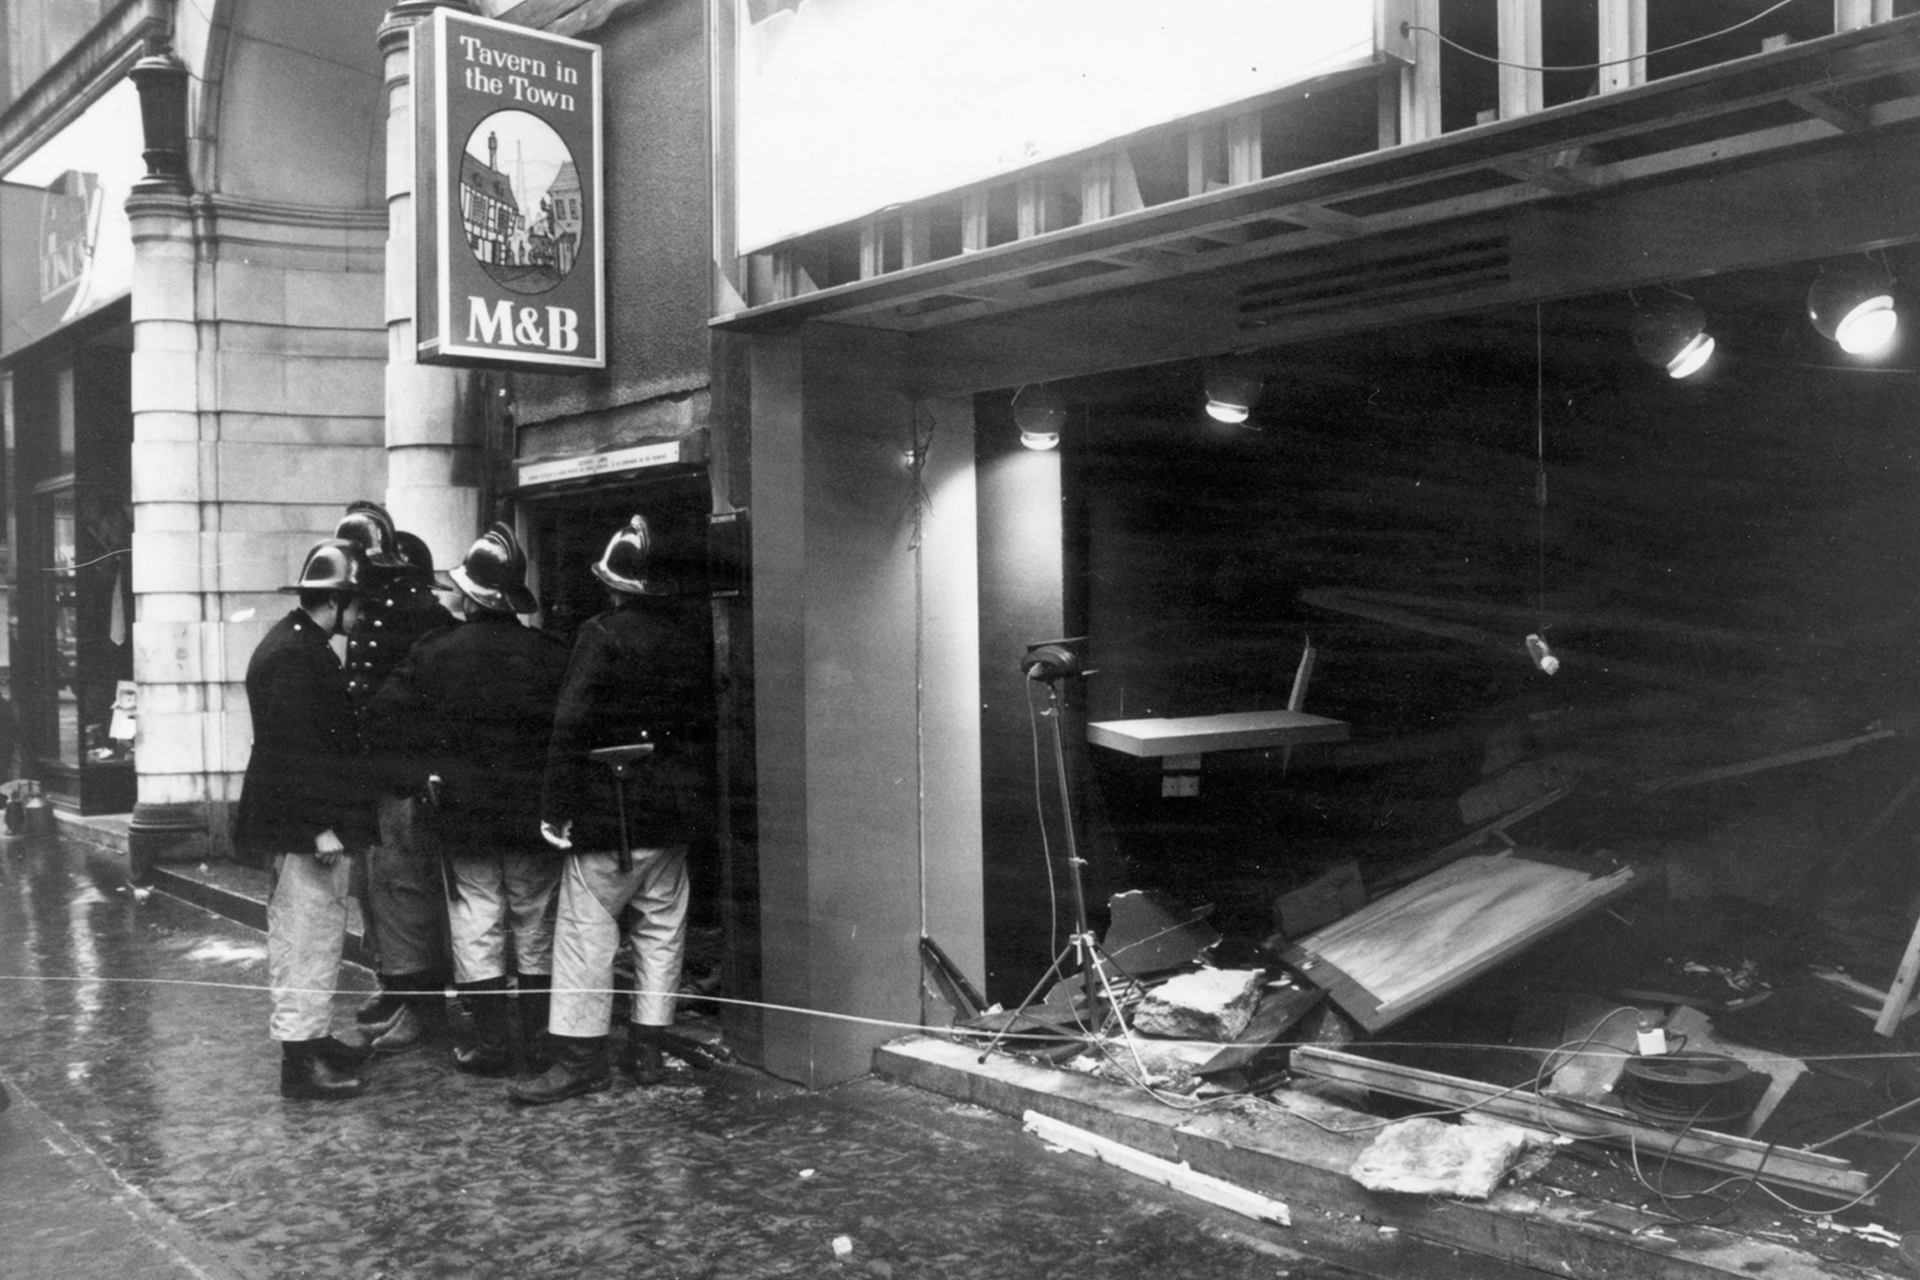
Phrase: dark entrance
pixel 567 532
pixel 73 660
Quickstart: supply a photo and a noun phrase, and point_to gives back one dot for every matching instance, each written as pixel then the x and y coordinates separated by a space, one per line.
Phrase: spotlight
pixel 1231 395
pixel 1852 304
pixel 1040 415
pixel 1672 333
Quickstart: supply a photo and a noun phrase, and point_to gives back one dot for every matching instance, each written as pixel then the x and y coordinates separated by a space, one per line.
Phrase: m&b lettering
pixel 498 325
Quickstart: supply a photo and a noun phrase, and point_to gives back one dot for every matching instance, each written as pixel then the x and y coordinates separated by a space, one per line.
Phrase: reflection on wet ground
pixel 139 1024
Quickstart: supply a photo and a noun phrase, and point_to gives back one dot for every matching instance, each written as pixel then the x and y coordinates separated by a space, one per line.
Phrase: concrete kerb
pixel 225 889
pixel 1291 1159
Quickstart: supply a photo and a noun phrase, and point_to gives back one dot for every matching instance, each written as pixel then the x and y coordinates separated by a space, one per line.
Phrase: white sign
pixel 849 106
pixel 600 464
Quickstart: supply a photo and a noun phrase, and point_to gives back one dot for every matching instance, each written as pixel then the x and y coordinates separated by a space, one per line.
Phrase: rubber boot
pixel 423 1013
pixel 698 1054
pixel 343 1055
pixel 489 1054
pixel 640 1057
pixel 377 1013
pixel 579 1066
pixel 306 1074
pixel 536 1006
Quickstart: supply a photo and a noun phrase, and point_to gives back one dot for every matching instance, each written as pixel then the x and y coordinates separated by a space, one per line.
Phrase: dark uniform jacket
pixel 641 672
pixel 390 623
pixel 473 704
pixel 307 773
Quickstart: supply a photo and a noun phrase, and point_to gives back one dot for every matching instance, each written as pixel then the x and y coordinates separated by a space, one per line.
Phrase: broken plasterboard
pixel 1427 1157
pixel 1407 949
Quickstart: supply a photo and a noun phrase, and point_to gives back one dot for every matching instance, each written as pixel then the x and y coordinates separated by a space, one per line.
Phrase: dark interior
pixel 1723 566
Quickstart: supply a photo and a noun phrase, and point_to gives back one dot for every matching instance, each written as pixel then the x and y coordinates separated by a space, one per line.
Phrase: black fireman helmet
pixel 418 560
pixel 494 573
pixel 368 526
pixel 335 565
pixel 624 565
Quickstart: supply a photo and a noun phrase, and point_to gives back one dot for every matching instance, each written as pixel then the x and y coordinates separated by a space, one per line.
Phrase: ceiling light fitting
pixel 1231 395
pixel 1040 414
pixel 1672 333
pixel 1852 304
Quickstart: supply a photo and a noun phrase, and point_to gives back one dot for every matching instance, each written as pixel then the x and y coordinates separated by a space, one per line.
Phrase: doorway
pixel 73 680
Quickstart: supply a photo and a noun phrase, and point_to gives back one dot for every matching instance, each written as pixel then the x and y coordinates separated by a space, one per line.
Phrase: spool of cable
pixel 1689 1088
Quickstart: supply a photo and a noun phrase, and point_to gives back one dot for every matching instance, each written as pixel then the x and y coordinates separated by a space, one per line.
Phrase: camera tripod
pixel 1051 663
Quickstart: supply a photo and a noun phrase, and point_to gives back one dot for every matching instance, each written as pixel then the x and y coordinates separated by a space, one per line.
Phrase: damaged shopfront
pixel 1488 709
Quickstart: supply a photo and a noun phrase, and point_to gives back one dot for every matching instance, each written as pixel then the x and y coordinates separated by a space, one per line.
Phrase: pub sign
pixel 507 184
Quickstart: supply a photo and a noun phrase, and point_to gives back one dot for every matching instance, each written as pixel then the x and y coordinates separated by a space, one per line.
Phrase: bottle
pixel 1651 1037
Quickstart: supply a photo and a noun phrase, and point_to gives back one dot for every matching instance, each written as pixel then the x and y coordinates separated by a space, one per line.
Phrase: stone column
pixel 435 456
pixel 174 640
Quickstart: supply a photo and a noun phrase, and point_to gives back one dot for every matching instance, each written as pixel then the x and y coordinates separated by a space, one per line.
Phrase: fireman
pixel 470 708
pixel 306 805
pixel 639 678
pixel 400 889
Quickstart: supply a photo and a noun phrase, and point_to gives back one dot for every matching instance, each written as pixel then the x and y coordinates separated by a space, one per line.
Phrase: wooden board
pixel 1785 1072
pixel 1234 731
pixel 1904 982
pixel 1783 1166
pixel 1180 1176
pixel 1401 952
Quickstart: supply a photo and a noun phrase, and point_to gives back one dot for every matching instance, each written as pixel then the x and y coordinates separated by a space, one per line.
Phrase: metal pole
pixel 1082 935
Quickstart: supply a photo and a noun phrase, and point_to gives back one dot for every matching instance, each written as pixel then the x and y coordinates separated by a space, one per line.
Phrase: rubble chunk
pixel 1429 1157
pixel 1209 1004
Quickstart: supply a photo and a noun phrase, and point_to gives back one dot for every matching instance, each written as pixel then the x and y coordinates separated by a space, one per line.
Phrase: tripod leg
pixel 1054 973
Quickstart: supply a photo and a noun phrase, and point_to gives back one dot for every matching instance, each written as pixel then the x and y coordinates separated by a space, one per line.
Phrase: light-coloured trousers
pixel 498 893
pixel 306 928
pixel 587 936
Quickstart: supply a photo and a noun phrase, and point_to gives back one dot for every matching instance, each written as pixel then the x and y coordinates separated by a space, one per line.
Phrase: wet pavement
pixel 148 1137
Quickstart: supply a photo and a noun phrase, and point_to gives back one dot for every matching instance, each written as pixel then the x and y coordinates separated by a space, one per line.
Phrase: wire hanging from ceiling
pixel 1537 647
pixel 1409 27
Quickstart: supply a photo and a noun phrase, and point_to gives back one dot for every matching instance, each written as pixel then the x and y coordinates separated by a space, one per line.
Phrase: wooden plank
pixel 1902 990
pixel 1859 988
pixel 1785 1072
pixel 1180 1177
pixel 954 988
pixel 1233 731
pixel 1623 44
pixel 1244 163
pixel 1865 1125
pixel 1419 90
pixel 973 221
pixel 1842 118
pixel 1523 88
pixel 1823 751
pixel 1783 1166
pixel 916 238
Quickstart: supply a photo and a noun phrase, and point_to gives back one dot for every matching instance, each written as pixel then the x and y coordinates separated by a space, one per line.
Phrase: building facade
pixel 1417 169
pixel 844 241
